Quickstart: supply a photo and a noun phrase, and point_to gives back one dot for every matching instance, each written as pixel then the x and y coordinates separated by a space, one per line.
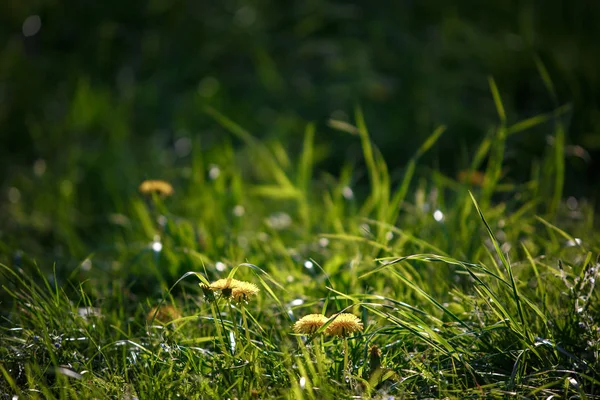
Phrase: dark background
pixel 102 87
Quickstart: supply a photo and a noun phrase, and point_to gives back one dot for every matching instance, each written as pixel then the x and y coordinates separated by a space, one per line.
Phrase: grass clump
pixel 436 287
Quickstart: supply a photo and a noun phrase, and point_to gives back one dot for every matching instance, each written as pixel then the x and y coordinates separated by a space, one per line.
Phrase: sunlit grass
pixel 435 287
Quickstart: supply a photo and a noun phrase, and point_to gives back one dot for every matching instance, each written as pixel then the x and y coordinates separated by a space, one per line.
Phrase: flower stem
pixel 245 323
pixel 346 371
pixel 218 324
pixel 319 358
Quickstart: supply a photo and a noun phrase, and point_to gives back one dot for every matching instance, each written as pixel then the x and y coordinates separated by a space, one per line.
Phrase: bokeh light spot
pixel 32 25
pixel 14 195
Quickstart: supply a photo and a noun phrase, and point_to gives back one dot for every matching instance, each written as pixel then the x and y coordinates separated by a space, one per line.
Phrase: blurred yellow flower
pixel 156 186
pixel 343 325
pixel 310 324
pixel 163 314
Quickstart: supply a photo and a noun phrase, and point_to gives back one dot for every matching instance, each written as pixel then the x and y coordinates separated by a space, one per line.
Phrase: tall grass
pixel 466 287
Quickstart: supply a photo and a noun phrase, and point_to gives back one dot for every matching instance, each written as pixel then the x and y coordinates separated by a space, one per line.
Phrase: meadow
pixel 478 285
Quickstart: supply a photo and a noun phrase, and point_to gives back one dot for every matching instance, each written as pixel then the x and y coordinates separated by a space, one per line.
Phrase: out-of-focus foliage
pixel 104 89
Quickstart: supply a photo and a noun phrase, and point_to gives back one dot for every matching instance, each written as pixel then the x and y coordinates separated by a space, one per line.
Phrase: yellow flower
pixel 224 284
pixel 163 314
pixel 155 186
pixel 243 291
pixel 238 290
pixel 374 357
pixel 344 325
pixel 310 323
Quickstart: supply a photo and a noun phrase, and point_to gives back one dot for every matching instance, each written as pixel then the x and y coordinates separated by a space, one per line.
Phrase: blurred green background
pixel 96 96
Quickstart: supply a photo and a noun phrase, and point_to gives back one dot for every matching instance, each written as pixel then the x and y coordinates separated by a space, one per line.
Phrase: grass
pixel 467 288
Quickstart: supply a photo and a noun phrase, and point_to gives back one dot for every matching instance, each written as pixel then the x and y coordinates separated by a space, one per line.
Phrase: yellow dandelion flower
pixel 343 325
pixel 224 284
pixel 310 323
pixel 243 291
pixel 163 314
pixel 475 178
pixel 238 290
pixel 374 357
pixel 156 186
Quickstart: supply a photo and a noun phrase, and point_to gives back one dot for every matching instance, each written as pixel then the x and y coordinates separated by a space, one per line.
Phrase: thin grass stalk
pixel 219 326
pixel 245 323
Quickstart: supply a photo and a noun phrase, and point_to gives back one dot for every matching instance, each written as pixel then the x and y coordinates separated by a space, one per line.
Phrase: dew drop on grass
pixel 183 146
pixel 14 195
pixel 214 172
pixel 308 265
pixel 232 341
pixel 39 167
pixel 31 25
pixel 86 265
pixel 574 382
pixel 263 236
pixel 302 383
pixel 239 210
pixel 438 215
pixel 347 193
pixel 296 302
pixel 279 220
pixel 220 266
pixel 157 246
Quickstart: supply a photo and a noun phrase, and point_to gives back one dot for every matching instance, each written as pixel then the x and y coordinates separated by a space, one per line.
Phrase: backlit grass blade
pixel 368 153
pixel 497 100
pixel 556 229
pixel 506 264
pixel 546 78
pixel 431 140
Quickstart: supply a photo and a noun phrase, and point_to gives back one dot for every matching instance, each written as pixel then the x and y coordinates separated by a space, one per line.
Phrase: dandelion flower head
pixel 156 186
pixel 243 291
pixel 224 284
pixel 310 324
pixel 344 325
pixel 163 314
pixel 236 289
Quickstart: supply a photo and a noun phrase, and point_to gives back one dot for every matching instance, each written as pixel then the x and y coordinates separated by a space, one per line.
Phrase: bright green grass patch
pixel 465 288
